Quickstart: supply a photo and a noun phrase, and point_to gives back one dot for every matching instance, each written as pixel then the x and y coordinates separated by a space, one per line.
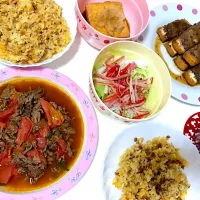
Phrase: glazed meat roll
pixel 192 56
pixel 187 39
pixel 173 29
pixel 192 76
pixel 181 63
pixel 170 49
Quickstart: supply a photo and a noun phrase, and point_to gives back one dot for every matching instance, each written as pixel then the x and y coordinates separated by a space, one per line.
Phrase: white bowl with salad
pixel 129 82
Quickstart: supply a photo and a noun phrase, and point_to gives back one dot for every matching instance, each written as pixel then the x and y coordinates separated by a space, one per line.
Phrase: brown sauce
pixel 157 48
pixel 60 97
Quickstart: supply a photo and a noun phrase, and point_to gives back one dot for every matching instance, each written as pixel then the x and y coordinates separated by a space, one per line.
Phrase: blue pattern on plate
pixel 86 103
pixel 76 177
pixel 56 75
pixel 3 72
pixel 88 154
pixel 56 192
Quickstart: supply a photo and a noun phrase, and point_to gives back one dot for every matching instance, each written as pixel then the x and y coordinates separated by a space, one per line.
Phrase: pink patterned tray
pixel 91 134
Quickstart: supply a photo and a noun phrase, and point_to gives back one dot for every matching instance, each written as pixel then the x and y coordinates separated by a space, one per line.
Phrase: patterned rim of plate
pixel 163 14
pixel 87 154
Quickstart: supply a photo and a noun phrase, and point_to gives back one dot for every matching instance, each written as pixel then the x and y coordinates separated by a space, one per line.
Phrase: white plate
pixel 69 15
pixel 160 16
pixel 148 131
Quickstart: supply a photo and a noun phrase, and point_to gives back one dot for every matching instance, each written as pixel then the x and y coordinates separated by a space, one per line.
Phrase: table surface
pixel 76 64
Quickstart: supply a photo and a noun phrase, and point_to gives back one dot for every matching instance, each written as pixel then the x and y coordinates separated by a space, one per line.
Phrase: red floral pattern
pixel 192 129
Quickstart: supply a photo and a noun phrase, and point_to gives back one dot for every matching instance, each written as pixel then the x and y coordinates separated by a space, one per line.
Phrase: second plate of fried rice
pixel 153 162
pixel 36 32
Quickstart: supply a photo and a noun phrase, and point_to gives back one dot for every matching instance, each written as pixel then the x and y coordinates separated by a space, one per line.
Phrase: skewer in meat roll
pixel 192 56
pixel 192 76
pixel 187 39
pixel 173 29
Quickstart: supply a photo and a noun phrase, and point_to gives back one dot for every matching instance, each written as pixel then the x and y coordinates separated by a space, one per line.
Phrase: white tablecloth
pixel 76 64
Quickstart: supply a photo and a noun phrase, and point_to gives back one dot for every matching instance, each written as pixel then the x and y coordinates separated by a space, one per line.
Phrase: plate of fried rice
pixel 35 32
pixel 152 162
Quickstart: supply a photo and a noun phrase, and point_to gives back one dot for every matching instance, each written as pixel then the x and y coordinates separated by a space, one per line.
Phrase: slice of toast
pixel 181 63
pixel 108 18
pixel 170 49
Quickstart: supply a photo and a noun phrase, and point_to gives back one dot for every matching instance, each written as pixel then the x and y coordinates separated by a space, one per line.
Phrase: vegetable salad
pixel 124 85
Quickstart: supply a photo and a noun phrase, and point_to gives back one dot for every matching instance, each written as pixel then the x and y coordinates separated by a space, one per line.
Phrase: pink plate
pixel 90 140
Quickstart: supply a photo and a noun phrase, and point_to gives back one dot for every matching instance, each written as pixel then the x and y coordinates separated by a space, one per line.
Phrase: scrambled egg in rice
pixel 31 31
pixel 152 171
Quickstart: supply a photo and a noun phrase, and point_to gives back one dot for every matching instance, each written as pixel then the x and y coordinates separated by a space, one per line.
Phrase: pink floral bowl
pixel 160 90
pixel 136 12
pixel 87 154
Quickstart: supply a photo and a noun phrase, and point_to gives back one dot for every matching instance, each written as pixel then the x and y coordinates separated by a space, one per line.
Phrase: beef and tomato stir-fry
pixel 34 135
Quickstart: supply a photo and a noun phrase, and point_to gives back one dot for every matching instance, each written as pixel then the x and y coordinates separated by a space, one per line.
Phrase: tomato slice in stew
pixel 2 125
pixel 35 154
pixel 44 131
pixel 62 144
pixel 62 149
pixel 24 131
pixel 6 162
pixel 54 117
pixel 6 173
pixel 14 100
pixel 41 142
pixel 5 114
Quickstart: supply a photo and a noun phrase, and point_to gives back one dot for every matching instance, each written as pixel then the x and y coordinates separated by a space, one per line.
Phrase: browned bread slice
pixel 108 18
pixel 192 56
pixel 181 63
pixel 173 29
pixel 170 49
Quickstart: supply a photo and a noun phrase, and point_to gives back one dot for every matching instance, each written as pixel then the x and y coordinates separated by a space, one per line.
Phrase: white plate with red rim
pixel 86 156
pixel 161 15
pixel 148 131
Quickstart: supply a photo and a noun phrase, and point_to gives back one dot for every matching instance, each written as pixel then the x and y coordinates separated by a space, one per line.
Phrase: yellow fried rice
pixel 31 31
pixel 152 171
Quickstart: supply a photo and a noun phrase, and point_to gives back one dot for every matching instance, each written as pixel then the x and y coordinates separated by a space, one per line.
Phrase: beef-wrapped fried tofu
pixel 170 49
pixel 181 63
pixel 192 56
pixel 187 39
pixel 173 29
pixel 192 76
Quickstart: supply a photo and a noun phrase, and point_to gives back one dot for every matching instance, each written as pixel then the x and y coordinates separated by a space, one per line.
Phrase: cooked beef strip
pixel 8 91
pixel 2 146
pixel 37 112
pixel 32 168
pixel 3 103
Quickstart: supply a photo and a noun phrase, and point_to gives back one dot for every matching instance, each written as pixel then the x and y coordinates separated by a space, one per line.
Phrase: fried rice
pixel 152 171
pixel 31 31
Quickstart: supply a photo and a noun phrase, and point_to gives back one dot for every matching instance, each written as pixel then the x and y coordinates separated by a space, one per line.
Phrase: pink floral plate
pixel 161 15
pixel 87 154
